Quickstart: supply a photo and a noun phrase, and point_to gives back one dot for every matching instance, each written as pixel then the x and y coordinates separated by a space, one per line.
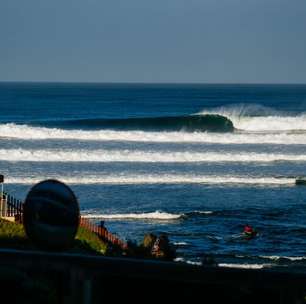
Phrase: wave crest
pixel 190 123
pixel 159 179
pixel 157 215
pixel 50 155
pixel 37 133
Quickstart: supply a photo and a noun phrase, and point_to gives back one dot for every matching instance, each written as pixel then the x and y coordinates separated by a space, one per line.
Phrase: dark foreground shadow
pixel 42 277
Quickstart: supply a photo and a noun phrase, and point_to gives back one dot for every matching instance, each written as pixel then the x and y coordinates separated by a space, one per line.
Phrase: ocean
pixel 142 158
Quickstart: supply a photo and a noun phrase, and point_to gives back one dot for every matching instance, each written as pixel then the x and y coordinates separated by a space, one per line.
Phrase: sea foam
pixel 26 132
pixel 156 179
pixel 157 215
pixel 57 155
pixel 253 117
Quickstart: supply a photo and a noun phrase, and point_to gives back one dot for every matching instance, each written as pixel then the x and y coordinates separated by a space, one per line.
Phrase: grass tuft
pixel 12 235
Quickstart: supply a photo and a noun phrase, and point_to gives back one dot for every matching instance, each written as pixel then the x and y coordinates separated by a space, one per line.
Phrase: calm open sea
pixel 140 170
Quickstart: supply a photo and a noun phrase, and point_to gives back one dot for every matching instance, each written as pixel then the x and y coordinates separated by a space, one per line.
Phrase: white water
pixel 157 215
pixel 226 265
pixel 277 257
pixel 270 123
pixel 244 266
pixel 37 133
pixel 180 244
pixel 49 155
pixel 180 259
pixel 156 179
pixel 252 117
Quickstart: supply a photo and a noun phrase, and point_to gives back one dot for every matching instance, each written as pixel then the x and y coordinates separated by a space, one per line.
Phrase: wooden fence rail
pixel 11 207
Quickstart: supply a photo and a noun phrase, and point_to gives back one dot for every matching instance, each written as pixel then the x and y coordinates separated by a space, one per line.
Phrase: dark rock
pixel 162 248
pixel 149 240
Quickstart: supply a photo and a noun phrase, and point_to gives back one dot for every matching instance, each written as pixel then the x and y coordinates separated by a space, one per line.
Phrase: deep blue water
pixel 200 187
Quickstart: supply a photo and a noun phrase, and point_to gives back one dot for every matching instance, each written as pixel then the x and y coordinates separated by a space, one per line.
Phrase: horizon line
pixel 150 83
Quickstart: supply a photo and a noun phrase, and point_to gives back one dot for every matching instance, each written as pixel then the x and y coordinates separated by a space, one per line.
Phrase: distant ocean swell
pixel 54 155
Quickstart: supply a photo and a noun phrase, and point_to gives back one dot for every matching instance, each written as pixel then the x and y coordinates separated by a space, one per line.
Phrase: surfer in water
pixel 249 232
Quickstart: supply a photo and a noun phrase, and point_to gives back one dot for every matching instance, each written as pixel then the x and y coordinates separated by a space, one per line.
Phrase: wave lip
pixel 157 215
pixel 191 123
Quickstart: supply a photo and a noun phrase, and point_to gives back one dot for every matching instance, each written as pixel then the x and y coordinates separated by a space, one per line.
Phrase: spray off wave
pixel 258 118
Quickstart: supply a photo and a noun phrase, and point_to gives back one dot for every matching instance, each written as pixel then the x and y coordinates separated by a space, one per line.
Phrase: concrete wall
pixel 69 278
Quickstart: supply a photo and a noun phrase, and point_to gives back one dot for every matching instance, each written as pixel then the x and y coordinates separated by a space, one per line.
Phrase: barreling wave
pixel 158 179
pixel 50 155
pixel 257 118
pixel 27 132
pixel 189 123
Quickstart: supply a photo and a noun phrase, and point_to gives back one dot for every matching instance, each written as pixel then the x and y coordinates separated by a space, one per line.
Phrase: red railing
pixel 103 233
pixel 12 207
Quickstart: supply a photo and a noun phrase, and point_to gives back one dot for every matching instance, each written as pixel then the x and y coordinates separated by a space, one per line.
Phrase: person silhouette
pixel 249 231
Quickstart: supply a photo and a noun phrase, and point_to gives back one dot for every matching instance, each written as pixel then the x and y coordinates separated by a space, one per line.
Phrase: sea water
pixel 199 187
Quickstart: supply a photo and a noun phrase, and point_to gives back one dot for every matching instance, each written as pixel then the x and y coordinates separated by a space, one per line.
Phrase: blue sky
pixel 209 41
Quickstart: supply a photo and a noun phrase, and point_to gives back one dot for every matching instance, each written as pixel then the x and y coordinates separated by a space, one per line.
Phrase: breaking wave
pixel 37 133
pixel 182 244
pixel 259 118
pixel 158 179
pixel 50 155
pixel 157 215
pixel 277 257
pixel 245 265
pixel 225 265
pixel 190 123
